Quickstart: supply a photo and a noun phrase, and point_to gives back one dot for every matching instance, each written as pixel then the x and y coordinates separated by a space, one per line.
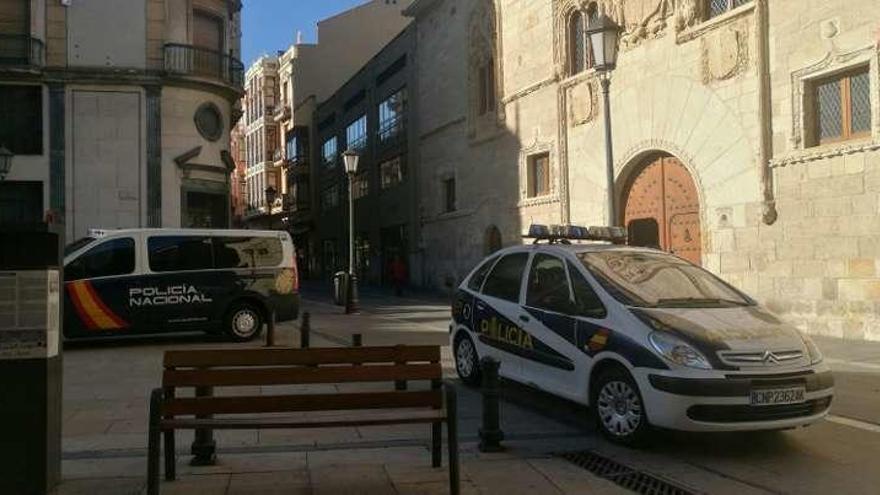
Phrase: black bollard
pixel 357 340
pixel 490 432
pixel 203 447
pixel 270 329
pixel 305 328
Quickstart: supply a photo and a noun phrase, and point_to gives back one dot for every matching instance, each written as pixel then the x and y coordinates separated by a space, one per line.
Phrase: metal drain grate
pixel 624 476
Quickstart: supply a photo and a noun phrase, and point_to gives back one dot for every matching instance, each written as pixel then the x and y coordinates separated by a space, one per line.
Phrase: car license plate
pixel 777 396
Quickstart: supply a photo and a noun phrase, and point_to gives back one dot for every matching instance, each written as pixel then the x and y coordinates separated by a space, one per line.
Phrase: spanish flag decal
pixel 599 340
pixel 92 311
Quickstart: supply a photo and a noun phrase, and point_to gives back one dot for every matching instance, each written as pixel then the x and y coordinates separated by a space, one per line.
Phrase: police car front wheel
pixel 619 408
pixel 243 322
pixel 467 362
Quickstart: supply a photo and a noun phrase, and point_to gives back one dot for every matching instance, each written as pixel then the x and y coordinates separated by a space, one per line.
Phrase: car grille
pixel 761 358
pixel 741 413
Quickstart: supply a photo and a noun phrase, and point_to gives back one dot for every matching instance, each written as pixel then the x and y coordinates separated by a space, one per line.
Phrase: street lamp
pixel 5 162
pixel 350 158
pixel 604 34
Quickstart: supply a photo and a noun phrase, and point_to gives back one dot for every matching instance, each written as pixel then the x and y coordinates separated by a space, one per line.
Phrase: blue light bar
pixel 554 233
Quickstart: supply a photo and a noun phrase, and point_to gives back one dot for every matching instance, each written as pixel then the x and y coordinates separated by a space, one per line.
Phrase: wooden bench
pixel 212 371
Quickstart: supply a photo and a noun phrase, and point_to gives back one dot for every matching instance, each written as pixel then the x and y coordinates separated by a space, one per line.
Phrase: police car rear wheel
pixel 244 322
pixel 619 408
pixel 467 364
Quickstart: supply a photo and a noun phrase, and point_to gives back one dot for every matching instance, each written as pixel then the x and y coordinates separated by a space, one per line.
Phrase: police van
pixel 121 282
pixel 644 337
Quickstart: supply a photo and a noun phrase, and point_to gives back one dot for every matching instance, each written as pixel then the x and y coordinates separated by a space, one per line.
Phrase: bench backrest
pixel 206 370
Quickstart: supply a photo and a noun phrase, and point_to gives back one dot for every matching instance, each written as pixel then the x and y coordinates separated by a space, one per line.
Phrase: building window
pixel 362 255
pixel 715 8
pixel 841 106
pixel 539 175
pixel 21 124
pixel 486 75
pixel 330 255
pixel 391 120
pixel 580 53
pixel 330 198
pixel 329 152
pixel 449 195
pixel 360 186
pixel 391 172
pixel 356 134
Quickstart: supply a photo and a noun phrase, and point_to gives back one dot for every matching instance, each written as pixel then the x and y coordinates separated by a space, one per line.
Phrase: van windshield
pixel 658 280
pixel 77 244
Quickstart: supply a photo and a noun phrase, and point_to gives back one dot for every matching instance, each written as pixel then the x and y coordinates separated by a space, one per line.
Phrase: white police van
pixel 646 338
pixel 120 282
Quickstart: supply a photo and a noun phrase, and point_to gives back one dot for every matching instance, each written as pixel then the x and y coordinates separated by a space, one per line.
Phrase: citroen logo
pixel 769 358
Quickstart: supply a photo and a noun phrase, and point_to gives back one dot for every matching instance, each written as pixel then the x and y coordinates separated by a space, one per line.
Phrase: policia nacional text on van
pixel 646 338
pixel 164 280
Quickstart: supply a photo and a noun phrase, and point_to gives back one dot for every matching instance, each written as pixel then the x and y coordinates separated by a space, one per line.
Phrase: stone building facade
pixel 119 113
pixel 746 138
pixel 262 176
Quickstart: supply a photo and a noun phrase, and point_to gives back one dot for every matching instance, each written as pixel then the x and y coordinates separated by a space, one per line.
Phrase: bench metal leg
pixel 452 432
pixel 153 446
pixel 170 457
pixel 436 444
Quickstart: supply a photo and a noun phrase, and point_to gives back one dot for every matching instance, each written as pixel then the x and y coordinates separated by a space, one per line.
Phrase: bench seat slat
pixel 360 419
pixel 301 375
pixel 303 402
pixel 206 358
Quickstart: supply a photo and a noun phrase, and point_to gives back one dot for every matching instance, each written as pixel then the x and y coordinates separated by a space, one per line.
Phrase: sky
pixel 271 25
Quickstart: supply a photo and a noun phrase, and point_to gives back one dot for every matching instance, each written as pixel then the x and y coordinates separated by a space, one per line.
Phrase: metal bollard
pixel 203 447
pixel 305 328
pixel 490 432
pixel 357 340
pixel 270 329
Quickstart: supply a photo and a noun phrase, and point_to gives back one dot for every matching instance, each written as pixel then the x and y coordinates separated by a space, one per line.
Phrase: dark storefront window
pixel 21 119
pixel 21 202
pixel 205 210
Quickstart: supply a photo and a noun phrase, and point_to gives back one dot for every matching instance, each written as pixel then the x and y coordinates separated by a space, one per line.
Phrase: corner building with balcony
pixel 119 113
pixel 746 138
pixel 262 176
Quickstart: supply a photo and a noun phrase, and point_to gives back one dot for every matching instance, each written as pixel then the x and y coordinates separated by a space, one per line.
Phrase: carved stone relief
pixel 582 103
pixel 641 19
pixel 725 54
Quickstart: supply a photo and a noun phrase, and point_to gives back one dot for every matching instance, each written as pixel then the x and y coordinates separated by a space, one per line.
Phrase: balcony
pixel 21 50
pixel 297 166
pixel 188 60
pixel 282 113
pixel 278 157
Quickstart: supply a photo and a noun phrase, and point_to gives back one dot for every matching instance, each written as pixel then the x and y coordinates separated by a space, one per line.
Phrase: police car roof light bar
pixel 564 234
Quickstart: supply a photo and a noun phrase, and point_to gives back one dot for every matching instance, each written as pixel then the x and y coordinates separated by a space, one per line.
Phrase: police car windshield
pixel 658 280
pixel 77 244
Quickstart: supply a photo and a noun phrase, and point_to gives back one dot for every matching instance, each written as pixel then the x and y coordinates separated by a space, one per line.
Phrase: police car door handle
pixel 481 305
pixel 524 318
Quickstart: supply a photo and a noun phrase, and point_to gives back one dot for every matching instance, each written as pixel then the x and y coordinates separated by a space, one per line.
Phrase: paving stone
pixel 569 478
pixel 274 483
pixel 214 484
pixel 104 486
pixel 509 476
pixel 353 479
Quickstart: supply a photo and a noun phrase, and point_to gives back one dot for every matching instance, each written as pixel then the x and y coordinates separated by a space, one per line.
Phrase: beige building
pixel 746 139
pixel 118 113
pixel 261 140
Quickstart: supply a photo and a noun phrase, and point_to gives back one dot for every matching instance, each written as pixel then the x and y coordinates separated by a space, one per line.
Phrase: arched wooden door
pixel 662 209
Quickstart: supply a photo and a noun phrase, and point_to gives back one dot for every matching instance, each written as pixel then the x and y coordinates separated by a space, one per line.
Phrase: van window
pixel 476 280
pixel 180 253
pixel 247 252
pixel 111 258
pixel 504 281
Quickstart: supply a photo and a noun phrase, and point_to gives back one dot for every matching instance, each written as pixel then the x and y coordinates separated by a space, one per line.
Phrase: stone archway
pixel 661 208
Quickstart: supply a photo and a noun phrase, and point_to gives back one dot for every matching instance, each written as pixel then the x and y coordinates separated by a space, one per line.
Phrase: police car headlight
pixel 812 349
pixel 678 351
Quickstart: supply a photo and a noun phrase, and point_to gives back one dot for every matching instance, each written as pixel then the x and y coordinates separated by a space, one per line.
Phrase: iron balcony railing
pixel 297 165
pixel 391 129
pixel 21 50
pixel 202 62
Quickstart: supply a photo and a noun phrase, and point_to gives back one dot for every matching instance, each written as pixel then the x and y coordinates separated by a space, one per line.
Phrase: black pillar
pixel 154 156
pixel 31 295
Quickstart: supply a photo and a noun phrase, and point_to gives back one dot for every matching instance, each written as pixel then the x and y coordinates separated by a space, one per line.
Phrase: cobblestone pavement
pixel 105 417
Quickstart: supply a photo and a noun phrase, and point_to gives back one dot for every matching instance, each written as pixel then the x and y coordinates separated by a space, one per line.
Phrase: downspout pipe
pixel 765 112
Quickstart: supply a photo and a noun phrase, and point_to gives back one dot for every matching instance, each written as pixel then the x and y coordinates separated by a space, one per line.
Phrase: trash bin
pixel 340 288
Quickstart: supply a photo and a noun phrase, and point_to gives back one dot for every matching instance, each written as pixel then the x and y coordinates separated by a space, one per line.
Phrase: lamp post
pixel 351 159
pixel 604 33
pixel 5 162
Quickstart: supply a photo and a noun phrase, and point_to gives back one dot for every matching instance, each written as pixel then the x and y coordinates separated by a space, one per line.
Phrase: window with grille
pixel 391 173
pixel 356 134
pixel 391 120
pixel 580 53
pixel 486 75
pixel 539 175
pixel 360 186
pixel 841 107
pixel 714 8
pixel 21 119
pixel 330 198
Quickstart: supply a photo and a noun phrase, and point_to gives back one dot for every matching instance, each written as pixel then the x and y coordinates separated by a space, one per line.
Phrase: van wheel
pixel 620 410
pixel 243 322
pixel 467 362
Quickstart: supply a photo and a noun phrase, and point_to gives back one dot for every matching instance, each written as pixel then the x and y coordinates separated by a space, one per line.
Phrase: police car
pixel 120 282
pixel 646 338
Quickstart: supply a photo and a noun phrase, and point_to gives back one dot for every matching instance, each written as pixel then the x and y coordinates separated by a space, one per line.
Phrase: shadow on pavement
pixel 145 340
